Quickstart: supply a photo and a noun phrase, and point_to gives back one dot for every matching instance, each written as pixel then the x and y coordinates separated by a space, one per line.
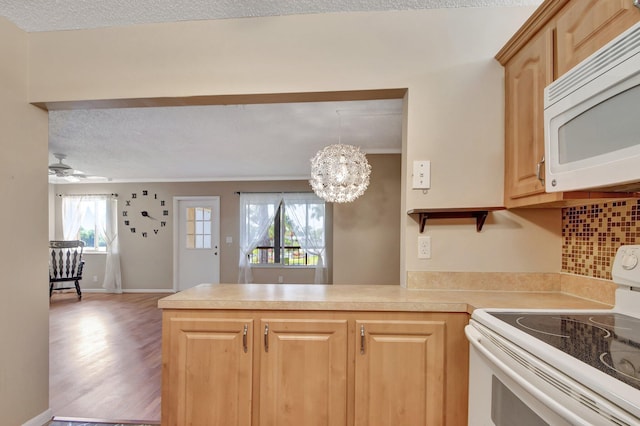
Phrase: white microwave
pixel 592 120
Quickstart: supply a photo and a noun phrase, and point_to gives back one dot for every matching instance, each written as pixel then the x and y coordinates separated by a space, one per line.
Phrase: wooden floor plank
pixel 105 356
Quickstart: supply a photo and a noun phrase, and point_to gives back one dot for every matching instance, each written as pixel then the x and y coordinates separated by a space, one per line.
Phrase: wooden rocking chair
pixel 65 265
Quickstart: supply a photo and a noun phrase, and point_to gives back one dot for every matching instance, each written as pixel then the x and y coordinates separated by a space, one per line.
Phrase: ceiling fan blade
pixel 60 169
pixel 66 173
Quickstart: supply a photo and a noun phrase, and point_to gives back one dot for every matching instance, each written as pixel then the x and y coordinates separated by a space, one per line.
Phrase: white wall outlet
pixel 424 247
pixel 229 240
pixel 280 279
pixel 421 175
pixel 95 278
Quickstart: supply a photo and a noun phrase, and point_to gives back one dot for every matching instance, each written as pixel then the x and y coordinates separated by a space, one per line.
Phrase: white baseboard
pixel 41 419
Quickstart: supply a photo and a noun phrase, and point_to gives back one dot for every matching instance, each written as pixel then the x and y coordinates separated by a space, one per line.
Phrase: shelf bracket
pixel 481 216
pixel 423 221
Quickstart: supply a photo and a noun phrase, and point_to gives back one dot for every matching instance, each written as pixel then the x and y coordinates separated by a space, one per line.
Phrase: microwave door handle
pixel 539 168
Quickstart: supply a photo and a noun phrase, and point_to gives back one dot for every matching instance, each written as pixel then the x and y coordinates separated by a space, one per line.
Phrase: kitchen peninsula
pixel 243 354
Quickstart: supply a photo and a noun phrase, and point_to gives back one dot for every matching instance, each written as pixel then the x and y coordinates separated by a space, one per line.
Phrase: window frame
pixel 279 247
pixel 96 248
pixel 96 235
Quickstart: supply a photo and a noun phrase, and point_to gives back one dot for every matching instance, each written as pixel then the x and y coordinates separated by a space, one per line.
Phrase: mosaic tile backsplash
pixel 591 235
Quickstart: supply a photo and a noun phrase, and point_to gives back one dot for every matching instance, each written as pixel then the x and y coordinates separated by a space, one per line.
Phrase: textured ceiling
pixel 53 15
pixel 232 142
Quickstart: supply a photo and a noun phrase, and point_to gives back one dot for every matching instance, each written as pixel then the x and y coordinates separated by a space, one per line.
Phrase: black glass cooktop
pixel 608 342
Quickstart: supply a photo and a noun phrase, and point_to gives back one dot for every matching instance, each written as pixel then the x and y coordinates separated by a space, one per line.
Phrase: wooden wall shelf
pixel 479 213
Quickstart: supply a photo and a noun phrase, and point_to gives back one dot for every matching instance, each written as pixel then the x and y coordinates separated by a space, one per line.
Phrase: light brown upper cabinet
pixel 586 25
pixel 526 75
pixel 558 35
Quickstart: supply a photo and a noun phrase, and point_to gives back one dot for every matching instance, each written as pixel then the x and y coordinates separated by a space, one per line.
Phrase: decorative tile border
pixel 592 234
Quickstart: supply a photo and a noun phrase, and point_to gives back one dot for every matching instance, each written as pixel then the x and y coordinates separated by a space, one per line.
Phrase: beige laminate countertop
pixel 363 298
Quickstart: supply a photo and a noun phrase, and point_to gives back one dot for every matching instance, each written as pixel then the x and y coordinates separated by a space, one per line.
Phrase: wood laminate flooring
pixel 105 356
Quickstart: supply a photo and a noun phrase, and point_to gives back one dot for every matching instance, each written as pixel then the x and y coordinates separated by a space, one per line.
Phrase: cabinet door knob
pixel 362 340
pixel 266 337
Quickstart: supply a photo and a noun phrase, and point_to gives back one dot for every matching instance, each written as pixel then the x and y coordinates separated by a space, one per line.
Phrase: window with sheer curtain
pixel 90 217
pixel 93 219
pixel 286 230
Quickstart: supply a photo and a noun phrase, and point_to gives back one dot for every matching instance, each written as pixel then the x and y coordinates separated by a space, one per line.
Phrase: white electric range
pixel 559 367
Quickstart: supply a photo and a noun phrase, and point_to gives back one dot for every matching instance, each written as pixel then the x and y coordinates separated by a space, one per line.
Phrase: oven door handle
pixel 475 338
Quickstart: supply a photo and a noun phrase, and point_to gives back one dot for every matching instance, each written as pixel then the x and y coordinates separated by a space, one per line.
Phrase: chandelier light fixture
pixel 339 173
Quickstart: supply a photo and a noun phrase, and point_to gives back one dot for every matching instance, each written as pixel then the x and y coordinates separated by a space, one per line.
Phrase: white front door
pixel 196 246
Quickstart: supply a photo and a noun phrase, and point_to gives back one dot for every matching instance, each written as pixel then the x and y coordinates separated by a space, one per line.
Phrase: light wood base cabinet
pixel 209 382
pixel 400 373
pixel 267 368
pixel 303 372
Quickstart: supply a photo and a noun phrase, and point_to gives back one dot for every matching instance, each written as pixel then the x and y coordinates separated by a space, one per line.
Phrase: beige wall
pixel 453 117
pixel 147 264
pixel 24 306
pixel 444 57
pixel 366 233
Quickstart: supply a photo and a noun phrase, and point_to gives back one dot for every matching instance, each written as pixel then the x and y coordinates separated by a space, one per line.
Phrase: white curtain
pixel 112 276
pixel 307 214
pixel 257 212
pixel 74 209
pixel 72 215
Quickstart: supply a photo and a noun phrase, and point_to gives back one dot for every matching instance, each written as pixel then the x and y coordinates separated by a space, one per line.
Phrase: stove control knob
pixel 629 260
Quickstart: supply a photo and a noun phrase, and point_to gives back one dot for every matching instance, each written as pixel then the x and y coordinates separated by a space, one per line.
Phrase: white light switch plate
pixel 421 175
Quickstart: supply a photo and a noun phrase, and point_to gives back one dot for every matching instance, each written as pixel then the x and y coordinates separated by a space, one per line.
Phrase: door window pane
pixel 198 227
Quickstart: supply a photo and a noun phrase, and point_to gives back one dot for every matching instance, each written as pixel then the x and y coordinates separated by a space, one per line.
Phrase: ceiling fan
pixel 65 171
